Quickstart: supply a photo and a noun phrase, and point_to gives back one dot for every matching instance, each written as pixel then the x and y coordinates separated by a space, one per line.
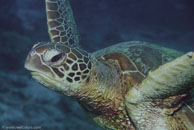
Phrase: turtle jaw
pixel 43 79
pixel 51 84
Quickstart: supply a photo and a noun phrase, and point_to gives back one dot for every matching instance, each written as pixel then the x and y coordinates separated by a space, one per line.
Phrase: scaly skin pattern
pixel 104 99
pixel 151 116
pixel 173 78
pixel 61 23
pixel 59 65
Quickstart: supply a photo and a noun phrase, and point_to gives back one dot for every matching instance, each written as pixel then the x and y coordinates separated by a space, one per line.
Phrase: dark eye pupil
pixel 57 57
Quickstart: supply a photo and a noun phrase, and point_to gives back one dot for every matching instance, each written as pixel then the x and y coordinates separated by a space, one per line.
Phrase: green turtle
pixel 128 86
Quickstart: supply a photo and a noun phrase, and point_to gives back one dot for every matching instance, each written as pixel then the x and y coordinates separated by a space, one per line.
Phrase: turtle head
pixel 59 67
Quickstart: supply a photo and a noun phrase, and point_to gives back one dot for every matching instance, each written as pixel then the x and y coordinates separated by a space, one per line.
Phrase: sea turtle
pixel 131 85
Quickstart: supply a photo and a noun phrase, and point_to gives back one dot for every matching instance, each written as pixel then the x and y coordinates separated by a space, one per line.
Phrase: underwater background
pixel 101 23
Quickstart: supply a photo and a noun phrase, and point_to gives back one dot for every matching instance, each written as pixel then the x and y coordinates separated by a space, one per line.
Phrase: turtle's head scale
pixel 59 67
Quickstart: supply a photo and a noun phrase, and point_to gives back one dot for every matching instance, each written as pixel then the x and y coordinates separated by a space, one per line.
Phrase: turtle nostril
pixel 57 57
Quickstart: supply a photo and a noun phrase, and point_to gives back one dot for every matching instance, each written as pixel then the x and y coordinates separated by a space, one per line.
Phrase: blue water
pixel 101 23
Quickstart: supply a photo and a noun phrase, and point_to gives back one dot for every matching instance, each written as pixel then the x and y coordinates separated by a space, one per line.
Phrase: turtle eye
pixel 53 56
pixel 57 57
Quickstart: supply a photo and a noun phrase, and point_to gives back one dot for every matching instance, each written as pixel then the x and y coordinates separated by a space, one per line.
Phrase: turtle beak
pixel 31 62
pixel 27 63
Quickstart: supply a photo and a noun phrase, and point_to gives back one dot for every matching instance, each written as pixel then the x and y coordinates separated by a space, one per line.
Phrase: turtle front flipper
pixel 170 79
pixel 146 101
pixel 61 23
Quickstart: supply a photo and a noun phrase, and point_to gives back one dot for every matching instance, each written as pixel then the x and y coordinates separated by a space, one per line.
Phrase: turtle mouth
pixel 37 75
pixel 45 80
pixel 51 83
pixel 41 78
